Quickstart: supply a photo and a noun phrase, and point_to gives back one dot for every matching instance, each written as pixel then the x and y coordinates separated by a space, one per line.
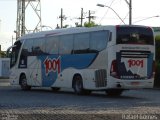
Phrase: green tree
pixel 157 38
pixel 2 54
pixel 157 63
pixel 91 24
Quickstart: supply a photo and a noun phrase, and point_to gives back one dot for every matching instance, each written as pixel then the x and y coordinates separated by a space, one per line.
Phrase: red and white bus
pixel 107 58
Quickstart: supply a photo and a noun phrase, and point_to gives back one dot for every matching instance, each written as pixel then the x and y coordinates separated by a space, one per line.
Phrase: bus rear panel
pixel 133 63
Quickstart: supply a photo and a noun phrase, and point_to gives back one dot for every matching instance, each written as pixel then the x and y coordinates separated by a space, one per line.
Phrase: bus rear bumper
pixel 131 84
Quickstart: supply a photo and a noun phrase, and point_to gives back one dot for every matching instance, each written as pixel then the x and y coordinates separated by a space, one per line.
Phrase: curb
pixel 4 80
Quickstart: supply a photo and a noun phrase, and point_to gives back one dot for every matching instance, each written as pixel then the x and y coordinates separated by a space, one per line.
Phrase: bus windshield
pixel 13 53
pixel 135 35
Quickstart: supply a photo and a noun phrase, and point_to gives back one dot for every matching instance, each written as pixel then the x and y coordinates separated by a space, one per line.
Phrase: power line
pixel 147 18
pixel 106 11
pixel 125 17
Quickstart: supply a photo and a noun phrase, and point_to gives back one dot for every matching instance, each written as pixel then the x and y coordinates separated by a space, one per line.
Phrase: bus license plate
pixel 135 83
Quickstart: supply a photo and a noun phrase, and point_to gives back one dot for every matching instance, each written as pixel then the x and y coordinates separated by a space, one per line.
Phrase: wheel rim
pixel 24 82
pixel 78 85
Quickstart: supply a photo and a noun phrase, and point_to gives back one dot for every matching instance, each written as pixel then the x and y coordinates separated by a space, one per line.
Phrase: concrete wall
pixel 4 67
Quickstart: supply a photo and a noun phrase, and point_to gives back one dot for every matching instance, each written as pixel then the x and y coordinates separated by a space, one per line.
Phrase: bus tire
pixel 23 83
pixel 114 92
pixel 78 85
pixel 55 89
pixel 87 92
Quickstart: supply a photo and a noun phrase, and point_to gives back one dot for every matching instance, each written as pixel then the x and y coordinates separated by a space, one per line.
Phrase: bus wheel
pixel 23 83
pixel 55 89
pixel 78 85
pixel 114 92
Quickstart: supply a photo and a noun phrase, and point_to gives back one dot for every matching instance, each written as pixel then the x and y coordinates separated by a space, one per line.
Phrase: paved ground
pixel 43 104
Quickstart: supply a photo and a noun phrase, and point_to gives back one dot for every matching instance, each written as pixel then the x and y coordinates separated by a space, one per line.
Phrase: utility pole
pixel 90 17
pixel 0 51
pixel 62 18
pixel 0 25
pixel 81 18
pixel 130 11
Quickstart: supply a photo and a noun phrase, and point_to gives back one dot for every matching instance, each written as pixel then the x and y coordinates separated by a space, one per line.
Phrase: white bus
pixel 107 58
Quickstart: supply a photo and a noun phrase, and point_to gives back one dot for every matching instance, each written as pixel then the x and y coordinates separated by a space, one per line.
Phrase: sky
pixel 144 12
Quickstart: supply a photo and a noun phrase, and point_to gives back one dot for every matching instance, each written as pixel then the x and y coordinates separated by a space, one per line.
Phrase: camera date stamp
pixel 139 117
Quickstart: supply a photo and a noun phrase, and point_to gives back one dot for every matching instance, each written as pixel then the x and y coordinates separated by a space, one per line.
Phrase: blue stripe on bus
pixel 52 65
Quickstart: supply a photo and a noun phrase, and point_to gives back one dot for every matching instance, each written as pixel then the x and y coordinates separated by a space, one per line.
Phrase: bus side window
pixel 27 47
pixel 52 45
pixel 66 44
pixel 38 46
pixel 81 43
pixel 99 40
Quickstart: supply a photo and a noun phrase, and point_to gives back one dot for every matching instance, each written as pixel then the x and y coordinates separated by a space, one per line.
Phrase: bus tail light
pixel 114 69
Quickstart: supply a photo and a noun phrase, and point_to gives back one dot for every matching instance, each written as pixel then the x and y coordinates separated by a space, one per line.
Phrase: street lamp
pixel 101 5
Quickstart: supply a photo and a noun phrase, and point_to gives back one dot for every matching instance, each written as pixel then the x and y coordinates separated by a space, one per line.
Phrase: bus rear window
pixel 135 35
